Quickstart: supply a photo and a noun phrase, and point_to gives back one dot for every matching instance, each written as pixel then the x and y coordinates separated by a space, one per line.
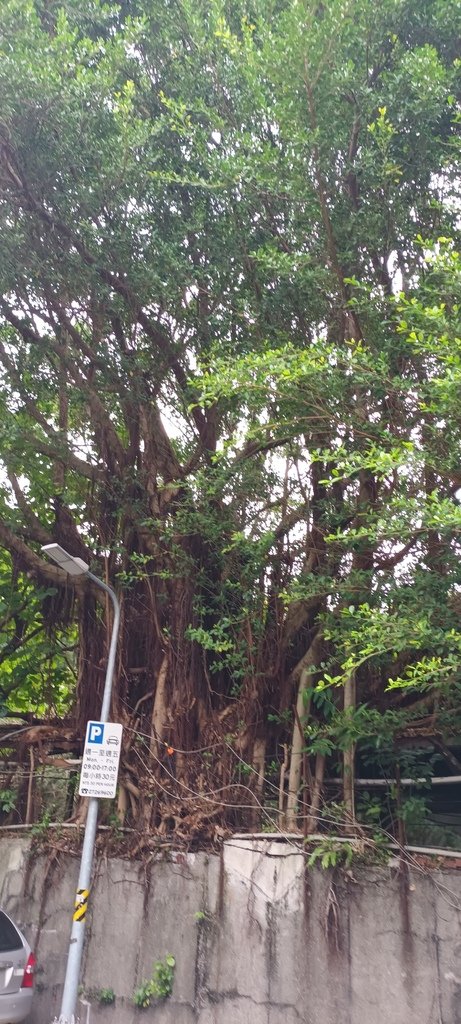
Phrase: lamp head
pixel 69 563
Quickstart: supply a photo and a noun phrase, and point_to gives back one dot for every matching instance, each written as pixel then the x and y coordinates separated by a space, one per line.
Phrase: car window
pixel 9 937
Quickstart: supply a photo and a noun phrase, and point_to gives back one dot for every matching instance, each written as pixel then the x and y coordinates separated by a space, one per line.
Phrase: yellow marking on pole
pixel 81 904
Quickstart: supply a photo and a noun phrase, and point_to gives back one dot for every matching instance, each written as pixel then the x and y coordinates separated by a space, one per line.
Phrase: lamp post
pixel 77 567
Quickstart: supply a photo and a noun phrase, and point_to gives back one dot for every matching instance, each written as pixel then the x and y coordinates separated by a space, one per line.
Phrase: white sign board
pixel 101 758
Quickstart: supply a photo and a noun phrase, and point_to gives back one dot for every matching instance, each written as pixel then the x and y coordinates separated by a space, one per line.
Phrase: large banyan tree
pixel 230 370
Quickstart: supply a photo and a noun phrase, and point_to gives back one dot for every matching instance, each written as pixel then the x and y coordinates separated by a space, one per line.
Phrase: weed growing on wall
pixel 160 986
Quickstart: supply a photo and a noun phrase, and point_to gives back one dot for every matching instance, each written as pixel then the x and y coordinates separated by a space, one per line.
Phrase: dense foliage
pixel 229 340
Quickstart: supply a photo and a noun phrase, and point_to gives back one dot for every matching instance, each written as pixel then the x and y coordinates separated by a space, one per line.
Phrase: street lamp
pixel 77 567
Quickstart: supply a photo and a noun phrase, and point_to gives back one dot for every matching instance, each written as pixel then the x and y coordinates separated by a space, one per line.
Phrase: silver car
pixel 17 967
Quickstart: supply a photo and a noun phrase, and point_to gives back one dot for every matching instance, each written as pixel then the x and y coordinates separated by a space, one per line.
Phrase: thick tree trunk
pixel 349 755
pixel 159 710
pixel 298 741
pixel 316 793
pixel 259 755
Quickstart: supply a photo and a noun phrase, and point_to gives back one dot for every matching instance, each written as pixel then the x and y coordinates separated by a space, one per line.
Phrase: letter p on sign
pixel 95 732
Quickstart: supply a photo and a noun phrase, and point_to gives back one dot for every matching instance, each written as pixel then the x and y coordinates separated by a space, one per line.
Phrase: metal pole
pixel 74 958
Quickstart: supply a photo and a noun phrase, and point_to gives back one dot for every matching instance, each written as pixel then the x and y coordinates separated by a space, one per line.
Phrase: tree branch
pixel 41 569
pixel 101 417
pixel 39 533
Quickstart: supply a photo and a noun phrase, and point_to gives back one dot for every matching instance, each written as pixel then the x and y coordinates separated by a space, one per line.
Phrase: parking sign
pixel 101 759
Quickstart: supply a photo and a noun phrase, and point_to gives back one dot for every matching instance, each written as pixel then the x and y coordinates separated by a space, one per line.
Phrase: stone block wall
pixel 257 938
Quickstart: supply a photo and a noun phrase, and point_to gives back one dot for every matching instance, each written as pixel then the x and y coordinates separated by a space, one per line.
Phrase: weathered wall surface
pixel 257 939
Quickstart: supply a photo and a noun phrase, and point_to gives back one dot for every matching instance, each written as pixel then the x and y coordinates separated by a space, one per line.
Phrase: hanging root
pixel 332 918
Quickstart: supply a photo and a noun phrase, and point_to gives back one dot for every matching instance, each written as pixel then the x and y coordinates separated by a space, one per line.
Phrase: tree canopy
pixel 230 364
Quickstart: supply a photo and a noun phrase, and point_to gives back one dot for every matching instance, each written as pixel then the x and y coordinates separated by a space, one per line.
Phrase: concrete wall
pixel 257 939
